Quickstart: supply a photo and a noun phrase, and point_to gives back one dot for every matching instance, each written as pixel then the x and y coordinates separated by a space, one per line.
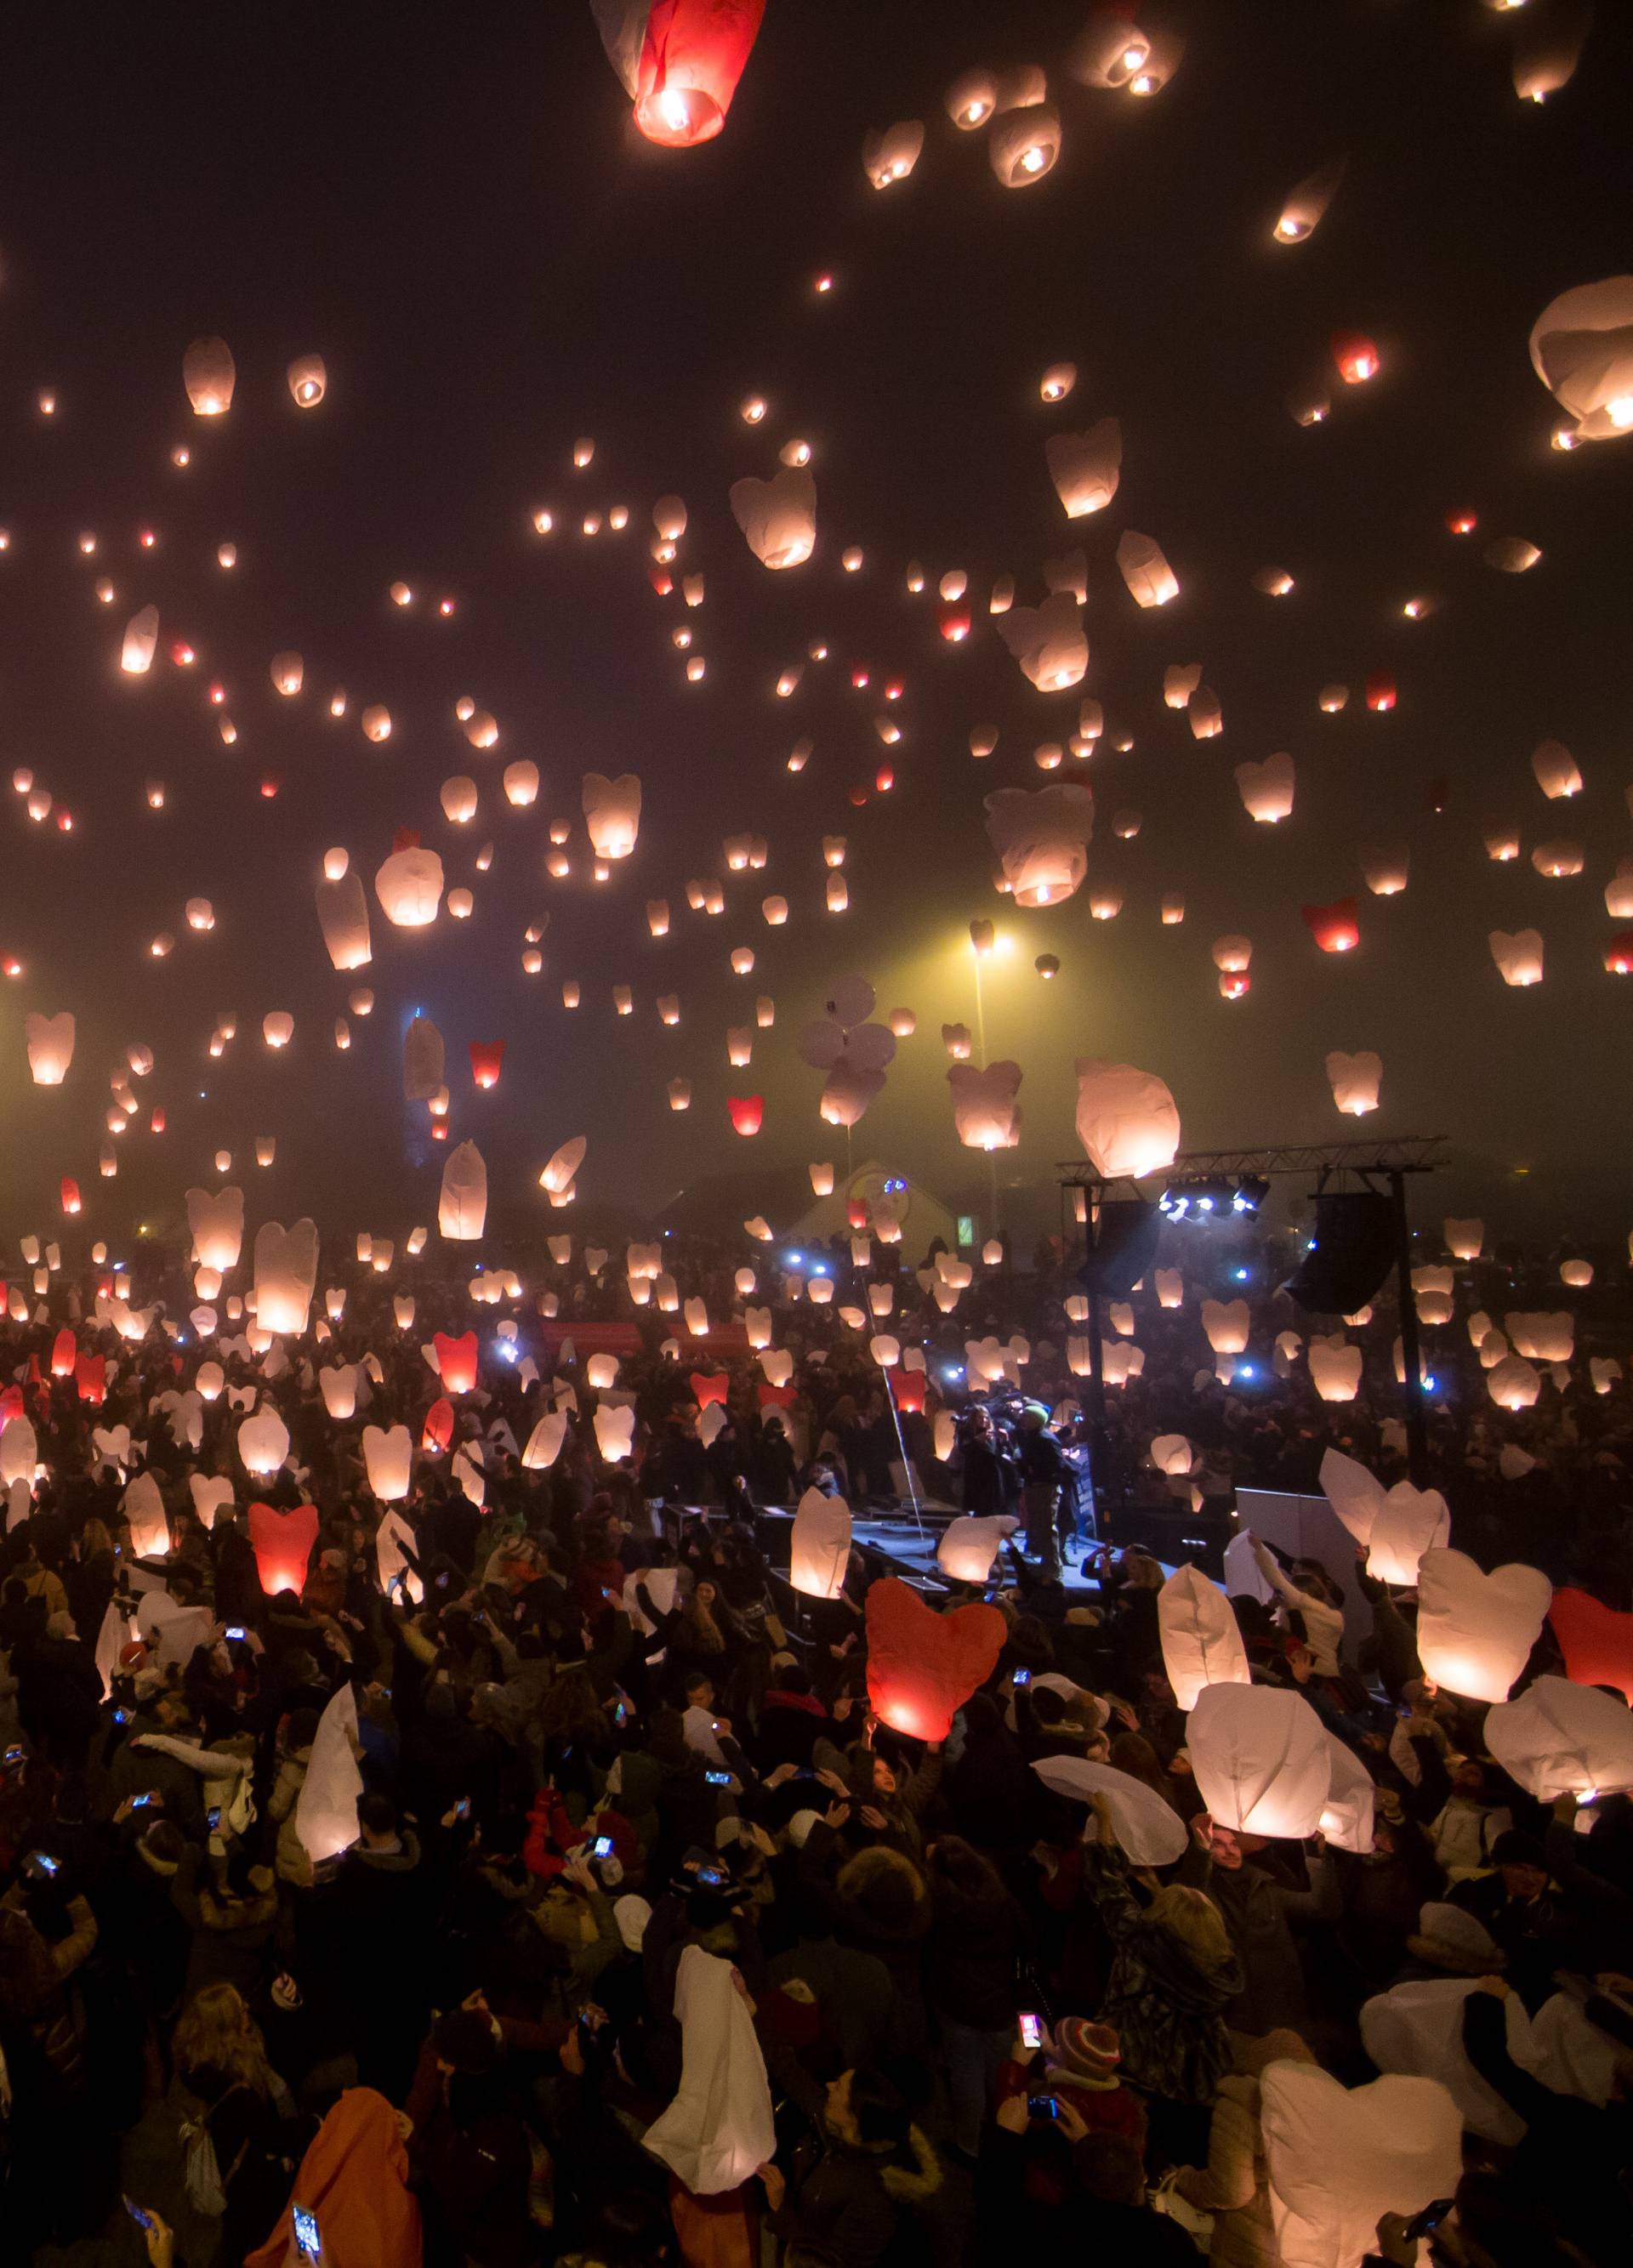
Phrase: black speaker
pixel 1353 1252
pixel 1178 1539
pixel 1122 1245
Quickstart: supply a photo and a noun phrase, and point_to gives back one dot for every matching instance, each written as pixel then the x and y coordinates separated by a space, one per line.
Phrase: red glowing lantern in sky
pixel 71 1194
pixel 438 1431
pixel 281 1542
pixel 955 622
pixel 907 1386
pixel 456 1364
pixel 746 1111
pixel 486 1058
pixel 680 61
pixel 1233 982
pixel 1462 523
pixel 1380 692
pixel 923 1667
pixel 1618 954
pixel 64 1354
pixel 709 1386
pixel 156 1123
pixel 90 1379
pixel 1335 928
pixel 1356 356
pixel 1596 1640
pixel 662 584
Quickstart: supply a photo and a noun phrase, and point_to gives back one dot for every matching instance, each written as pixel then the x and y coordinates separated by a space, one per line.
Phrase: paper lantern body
pixel 409 886
pixel 1408 1522
pixel 1560 1739
pixel 615 1432
pixel 970 1544
pixel 984 1110
pixel 342 916
pixel 820 1548
pixel 338 1385
pixel 1149 1830
pixel 1596 1640
pixel 389 1460
pixel 1085 468
pixel 1475 1630
pixel 923 1667
pixel 209 1497
pixel 1582 350
pixel 457 1362
pixel 286 1262
pixel 1338 2158
pixel 326 1810
pixel 281 1542
pixel 611 813
pixel 1346 1816
pixel 544 1441
pixel 209 374
pixel 1048 644
pixel 1261 1758
pixel 1202 1644
pixel 50 1047
pixel 1127 1119
pixel 1226 1323
pixel 141 1504
pixel 1041 838
pixel 262 1441
pixel 462 1205
pixel 680 62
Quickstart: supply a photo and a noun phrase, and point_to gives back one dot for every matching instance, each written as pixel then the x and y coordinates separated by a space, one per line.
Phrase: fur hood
pixel 915 2182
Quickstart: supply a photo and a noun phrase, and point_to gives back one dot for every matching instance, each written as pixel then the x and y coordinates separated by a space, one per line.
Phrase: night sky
pixel 452 206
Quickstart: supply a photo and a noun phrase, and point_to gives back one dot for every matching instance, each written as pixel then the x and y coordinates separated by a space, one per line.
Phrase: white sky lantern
pixel 1554 769
pixel 1207 714
pixel 1510 554
pixel 984 1110
pixel 1464 1238
pixel 1519 956
pixel 1475 1630
pixel 1338 2158
pixel 1260 1757
pixel 1355 1080
pixel 1557 860
pixel 1226 1323
pixel 1406 1522
pixel 1386 870
pixel 288 673
pixel 971 99
pixel 1042 837
pixel 388 1461
pixel 970 1544
pixel 1582 350
pixel 563 1163
pixel 481 729
pixel 200 914
pixel 1022 145
pixel 891 156
pixel 1086 466
pixel 1307 202
pixel 1171 1453
pixel 778 517
pixel 51 1041
pixel 459 799
pixel 262 1442
pixel 1172 908
pixel 611 813
pixel 1048 642
pixel 1267 788
pixel 680 1095
pixel 1201 1644
pixel 820 1547
pixel 208 373
pixel 141 640
pixel 1334 1369
pixel 1151 581
pixel 1560 1739
pixel 409 886
pixel 342 916
pixel 1128 1121
pixel 1579 1274
pixel 1055 384
pixel 1273 582
pixel 338 1385
pixel 1181 680
pixel 266 1149
pixel 462 1204
pixel 1109 51
pixel 142 1503
pixel 1619 892
pixel 837 894
pixel 521 784
pixel 376 722
pixel 308 380
pixel 739 1045
pixel 285 1275
pixel 278 1028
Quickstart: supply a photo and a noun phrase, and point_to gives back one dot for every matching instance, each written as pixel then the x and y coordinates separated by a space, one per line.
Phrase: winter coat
pixel 1260 1914
pixel 1235 2185
pixel 843 2208
pixel 292 1863
pixel 969 1958
pixel 1168 2010
pixel 884 1910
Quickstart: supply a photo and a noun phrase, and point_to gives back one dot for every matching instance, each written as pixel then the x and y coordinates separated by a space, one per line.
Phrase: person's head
pixel 1191 1917
pixel 170 1707
pixel 700 1690
pixel 1468 1778
pixel 303 1725
pixel 1300 1660
pixel 1310 1575
pixel 216 2033
pixel 1226 1846
pixel 1109 2169
pixel 959 1866
pixel 377 1819
pixel 1522 1862
pixel 1143 1572
pixel 865 2109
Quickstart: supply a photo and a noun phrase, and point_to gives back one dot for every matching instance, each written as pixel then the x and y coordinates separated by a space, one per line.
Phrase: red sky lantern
pixel 885 779
pixel 746 1111
pixel 156 1123
pixel 270 786
pixel 438 1431
pixel 281 1542
pixel 907 1386
pixel 486 1058
pixel 923 1667
pixel 856 1213
pixel 90 1379
pixel 1596 1640
pixel 662 584
pixel 1356 356
pixel 64 1354
pixel 1335 928
pixel 1233 982
pixel 439 1129
pixel 1618 954
pixel 11 1404
pixel 954 623
pixel 859 680
pixel 680 61
pixel 1462 523
pixel 71 1194
pixel 456 1361
pixel 776 1397
pixel 1380 692
pixel 709 1386
pixel 859 796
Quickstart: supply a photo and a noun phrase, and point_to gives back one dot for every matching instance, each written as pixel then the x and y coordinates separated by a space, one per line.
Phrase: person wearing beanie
pixel 1545 1911
pixel 1080 2062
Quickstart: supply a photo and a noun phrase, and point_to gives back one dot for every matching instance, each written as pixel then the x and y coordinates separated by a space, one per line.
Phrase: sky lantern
pixel 288 673
pixel 611 811
pixel 141 641
pixel 281 1542
pixel 1260 1757
pixel 615 1432
pixel 1110 49
pixel 388 1460
pixel 1554 769
pixel 487 1058
pixel 1339 2158
pixel 1041 836
pixel 1475 1630
pixel 308 380
pixel 889 157
pixel 562 1167
pixel 462 1204
pixel 521 784
pixel 1385 871
pixel 1563 1738
pixel 1150 579
pixel 1518 957
pixel 1334 1369
pixel 342 916
pixel 457 1362
pixel 1596 1640
pixel 1233 958
pixel 278 1028
pixel 1267 788
pixel 984 1110
pixel 1510 554
pixel 216 1224
pixel 971 99
pixel 1546 50
pixel 1207 714
pixel 409 886
pixel 1582 350
pixel 338 1385
pixel 1055 384
pixel 285 1275
pixel 922 1667
pixel 1201 1644
pixel 51 1041
pixel 778 516
pixel 1128 1121
pixel 208 372
pixel 263 1443
pixel 970 1544
pixel 1356 356
pixel 1022 145
pixel 1306 203
pixel 679 61
pixel 1558 860
pixel 1085 468
pixel 820 1547
pixel 1355 1080
pixel 1380 694
pixel 459 799
pixel 747 1112
pixel 1333 927
pixel 1225 1324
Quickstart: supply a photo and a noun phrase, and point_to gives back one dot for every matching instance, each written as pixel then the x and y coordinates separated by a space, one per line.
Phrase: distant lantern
pixel 1128 1121
pixel 208 372
pixel 409 886
pixel 1554 770
pixel 1306 204
pixel 1356 356
pixel 1335 928
pixel 1510 554
pixel 985 1111
pixel 611 813
pixel 970 100
pixel 778 516
pixel 1022 145
pixel 141 639
pixel 462 1204
pixel 1547 53
pixel 288 673
pixel 746 1112
pixel 1058 381
pixel 1518 957
pixel 1048 642
pixel 308 380
pixel 376 722
pixel 889 157
pixel 1086 466
pixel 1041 837
pixel 1386 870
pixel 1267 788
pixel 51 1041
pixel 1355 1080
pixel 1150 579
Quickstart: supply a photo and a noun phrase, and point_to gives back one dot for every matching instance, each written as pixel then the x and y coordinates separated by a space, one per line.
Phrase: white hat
pixel 632 1914
pixel 799 1827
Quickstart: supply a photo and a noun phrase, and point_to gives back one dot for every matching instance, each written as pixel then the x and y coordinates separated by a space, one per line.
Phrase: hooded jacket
pixel 1168 2010
pixel 843 2208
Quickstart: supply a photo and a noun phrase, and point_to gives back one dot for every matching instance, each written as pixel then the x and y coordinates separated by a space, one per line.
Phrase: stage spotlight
pixel 1251 1192
pixel 1205 1198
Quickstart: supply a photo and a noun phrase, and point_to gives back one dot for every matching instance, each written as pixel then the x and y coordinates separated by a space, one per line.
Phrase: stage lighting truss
pixel 1204 1198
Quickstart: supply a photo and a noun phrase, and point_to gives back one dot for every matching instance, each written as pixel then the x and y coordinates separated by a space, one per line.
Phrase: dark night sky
pixel 451 205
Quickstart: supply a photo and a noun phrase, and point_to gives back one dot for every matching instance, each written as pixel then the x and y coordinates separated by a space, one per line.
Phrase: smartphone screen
pixel 306 2232
pixel 1032 2031
pixel 603 1846
pixel 462 1809
pixel 1023 1676
pixel 142 2219
pixel 138 1802
pixel 213 1817
pixel 1043 2106
pixel 237 1630
pixel 41 1862
pixel 719 1779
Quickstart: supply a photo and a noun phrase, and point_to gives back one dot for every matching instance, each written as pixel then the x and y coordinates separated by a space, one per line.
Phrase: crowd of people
pixel 651 1939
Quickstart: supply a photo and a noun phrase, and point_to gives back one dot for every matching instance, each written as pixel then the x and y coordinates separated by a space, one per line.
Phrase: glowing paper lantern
pixel 923 1667
pixel 1022 145
pixel 778 517
pixel 1464 1238
pixel 338 1385
pixel 889 157
pixel 1596 1640
pixel 1260 1757
pixel 487 1058
pixel 286 1261
pixel 611 813
pixel 209 373
pixel 1334 1369
pixel 141 1504
pixel 462 1204
pixel 615 1432
pixel 1545 54
pixel 281 1542
pixel 1582 350
pixel 1475 1630
pixel 544 1441
pixel 1267 788
pixel 1226 1323
pixel 1338 2158
pixel 1560 1738
pixel 308 380
pixel 1307 202
pixel 278 1028
pixel 262 1442
pixel 1201 1644
pixel 1151 581
pixel 1042 838
pixel 679 61
pixel 1519 957
pixel 820 1548
pixel 1128 1121
pixel 409 886
pixel 984 1110
pixel 51 1041
pixel 1356 356
pixel 1085 468
pixel 1355 1080
pixel 1048 642
pixel 326 1809
pixel 970 1544
pixel 1555 770
pixel 388 1460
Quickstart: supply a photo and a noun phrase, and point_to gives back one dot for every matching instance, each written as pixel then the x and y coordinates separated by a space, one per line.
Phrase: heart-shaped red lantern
pixel 923 1667
pixel 439 1428
pixel 709 1386
pixel 457 1362
pixel 908 1387
pixel 776 1397
pixel 1596 1640
pixel 746 1111
pixel 281 1542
